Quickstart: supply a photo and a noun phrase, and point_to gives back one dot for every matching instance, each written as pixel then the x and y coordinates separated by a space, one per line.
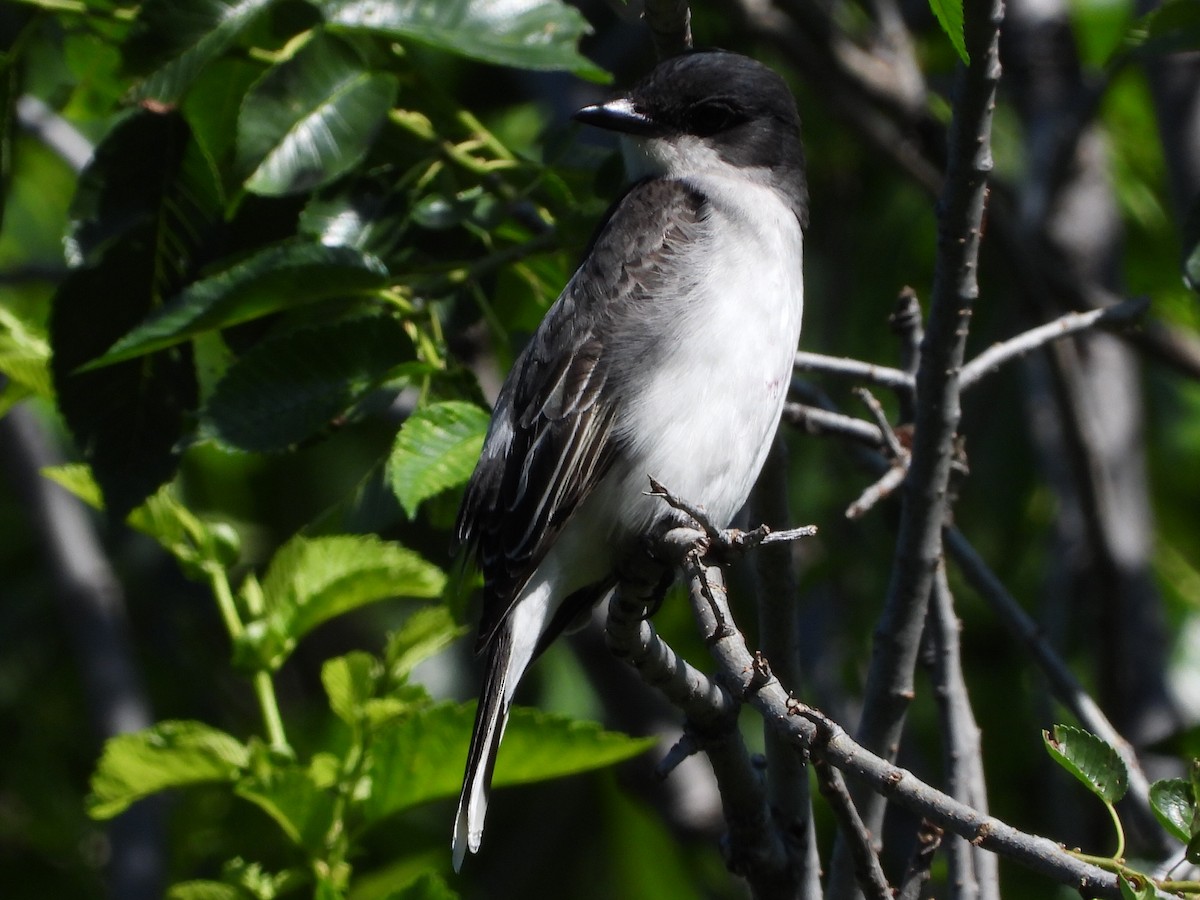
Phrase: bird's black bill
pixel 618 115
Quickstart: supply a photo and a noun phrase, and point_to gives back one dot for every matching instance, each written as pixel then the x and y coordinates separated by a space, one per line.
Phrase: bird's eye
pixel 714 116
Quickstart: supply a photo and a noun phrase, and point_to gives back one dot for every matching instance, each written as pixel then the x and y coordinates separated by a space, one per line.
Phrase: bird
pixel 668 355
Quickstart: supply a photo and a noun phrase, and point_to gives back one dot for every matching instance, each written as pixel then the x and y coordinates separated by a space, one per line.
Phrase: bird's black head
pixel 712 102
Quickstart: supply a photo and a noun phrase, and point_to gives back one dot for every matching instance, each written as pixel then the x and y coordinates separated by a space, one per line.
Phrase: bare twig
pixel 779 624
pixel 814 420
pixel 746 678
pixel 962 759
pixel 905 322
pixel 918 546
pixel 867 868
pixel 843 367
pixel 756 850
pixel 929 838
pixel 1062 681
pixel 997 355
pixel 878 490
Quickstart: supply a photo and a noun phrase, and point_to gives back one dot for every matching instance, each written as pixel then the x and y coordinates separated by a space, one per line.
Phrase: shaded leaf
pixel 127 419
pixel 1173 27
pixel 1174 806
pixel 435 450
pixel 276 278
pixel 178 40
pixel 949 14
pixel 1091 760
pixel 311 118
pixel 424 634
pixel 428 886
pixel 290 796
pixel 147 173
pixel 311 581
pixel 168 755
pixel 367 214
pixel 422 757
pixel 288 388
pixel 526 34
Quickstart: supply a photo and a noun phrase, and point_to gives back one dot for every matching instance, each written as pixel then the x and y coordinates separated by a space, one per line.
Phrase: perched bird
pixel 668 355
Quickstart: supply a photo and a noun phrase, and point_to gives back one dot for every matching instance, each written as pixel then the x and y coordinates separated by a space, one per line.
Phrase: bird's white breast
pixel 704 423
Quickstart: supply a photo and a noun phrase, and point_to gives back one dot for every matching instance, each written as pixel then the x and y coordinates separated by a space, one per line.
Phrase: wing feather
pixel 553 434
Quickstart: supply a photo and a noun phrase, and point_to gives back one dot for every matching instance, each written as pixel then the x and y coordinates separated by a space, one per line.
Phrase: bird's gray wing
pixel 551 438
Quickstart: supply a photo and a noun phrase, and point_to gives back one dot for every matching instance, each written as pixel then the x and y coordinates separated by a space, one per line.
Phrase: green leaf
pixel 311 581
pixel 1091 760
pixel 349 681
pixel 205 890
pixel 178 40
pixel 949 14
pixel 1172 28
pixel 145 206
pixel 526 34
pixel 76 478
pixel 288 388
pixel 435 450
pixel 1174 806
pixel 425 633
pixel 297 804
pixel 24 355
pixel 428 886
pixel 423 756
pixel 311 118
pixel 276 278
pixel 128 419
pixel 1129 892
pixel 171 754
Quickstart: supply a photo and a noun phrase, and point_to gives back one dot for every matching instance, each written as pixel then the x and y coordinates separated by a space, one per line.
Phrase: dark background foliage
pixel 327 225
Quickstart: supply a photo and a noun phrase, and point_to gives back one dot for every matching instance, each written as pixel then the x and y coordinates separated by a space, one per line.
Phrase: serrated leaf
pixel 311 118
pixel 288 388
pixel 1097 765
pixel 435 450
pixel 311 581
pixel 949 14
pixel 290 796
pixel 1174 806
pixel 349 682
pixel 526 34
pixel 424 634
pixel 421 758
pixel 170 754
pixel 275 278
pixel 178 40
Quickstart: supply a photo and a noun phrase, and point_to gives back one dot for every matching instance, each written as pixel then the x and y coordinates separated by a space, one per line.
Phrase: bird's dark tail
pixel 490 718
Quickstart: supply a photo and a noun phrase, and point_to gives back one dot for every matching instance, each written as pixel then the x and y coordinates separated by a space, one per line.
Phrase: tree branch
pixel 918 546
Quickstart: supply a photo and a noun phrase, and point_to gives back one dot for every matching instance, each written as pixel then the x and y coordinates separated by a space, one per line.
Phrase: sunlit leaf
pixel 1174 806
pixel 349 682
pixel 311 581
pixel 1096 764
pixel 422 757
pixel 311 118
pixel 168 755
pixel 435 450
pixel 949 14
pixel 178 40
pixel 527 34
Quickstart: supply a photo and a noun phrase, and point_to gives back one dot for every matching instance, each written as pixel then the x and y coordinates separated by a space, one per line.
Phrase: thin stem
pixel 1119 853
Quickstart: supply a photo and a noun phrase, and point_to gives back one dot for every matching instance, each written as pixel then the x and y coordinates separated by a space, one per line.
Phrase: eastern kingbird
pixel 668 355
